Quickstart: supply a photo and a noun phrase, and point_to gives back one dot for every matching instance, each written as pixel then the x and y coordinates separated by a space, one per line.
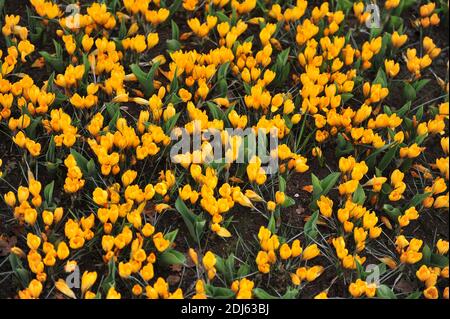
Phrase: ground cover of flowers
pixel 94 206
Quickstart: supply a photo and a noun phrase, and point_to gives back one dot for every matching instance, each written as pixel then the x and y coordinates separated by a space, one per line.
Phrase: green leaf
pixel 414 295
pixel 122 30
pixel 371 159
pixel 271 225
pixel 344 5
pixel 19 271
pixel 409 92
pixel 171 236
pixel 262 294
pixel 288 202
pixel 418 199
pixel 243 271
pixel 359 197
pixel 82 162
pixel 145 79
pixel 310 228
pixel 290 293
pixel 170 124
pixel 438 260
pixel 174 7
pixel 50 155
pixel 426 254
pixel 48 192
pixel 384 292
pixel 392 212
pixel 387 158
pixel 216 112
pixel 91 168
pixel 219 292
pixel 281 183
pixel 404 109
pixel 395 23
pixel 381 78
pixel 87 66
pixel 175 30
pixel 420 84
pixel 110 280
pixel 173 45
pixel 55 60
pixel 194 223
pixel 171 257
pixel 328 182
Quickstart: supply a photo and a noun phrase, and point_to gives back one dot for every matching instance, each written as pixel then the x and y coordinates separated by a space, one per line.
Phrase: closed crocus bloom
pixel 22 194
pixel 147 272
pixel 310 252
pixel 348 187
pixel 160 242
pixel 296 248
pixel 62 251
pixel 356 290
pixel 58 214
pixel 415 244
pixel 10 199
pixel 148 230
pixel 62 286
pixel 441 201
pixel 280 197
pixel 107 243
pixel 359 171
pixel 113 294
pixel 444 272
pixel 33 241
pixel 423 273
pixel 442 246
pixel 295 279
pixel 271 206
pixel 322 295
pixel 411 257
pixel 301 272
pixel 399 137
pixel 128 177
pixel 87 43
pixel 152 40
pixel 325 205
pixel 285 251
pixel 125 269
pixel 398 40
pixel 397 177
pixel 439 186
pixel 314 272
pixel 47 217
pixel 359 234
pixel 431 293
pixel 375 232
pixel 401 242
pixel 346 164
pixel 100 196
pixel 87 280
pixel 209 260
pixel 391 67
pixel 35 288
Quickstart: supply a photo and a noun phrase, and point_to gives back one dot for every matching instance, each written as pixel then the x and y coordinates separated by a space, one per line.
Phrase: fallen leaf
pixel 6 243
pixel 173 279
